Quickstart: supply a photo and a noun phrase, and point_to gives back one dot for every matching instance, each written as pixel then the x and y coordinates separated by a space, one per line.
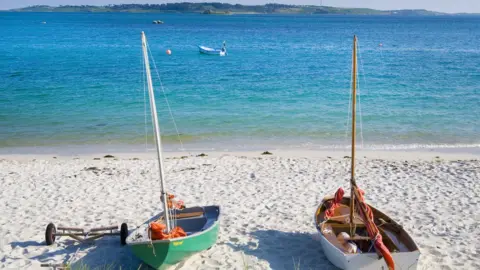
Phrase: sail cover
pixel 366 214
pixel 336 202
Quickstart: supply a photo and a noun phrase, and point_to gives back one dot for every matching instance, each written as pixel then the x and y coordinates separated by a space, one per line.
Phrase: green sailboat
pixel 201 223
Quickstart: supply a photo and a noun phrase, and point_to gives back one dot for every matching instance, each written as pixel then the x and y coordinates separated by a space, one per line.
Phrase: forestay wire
pixel 173 218
pixel 349 111
pixel 145 103
pixel 359 93
pixel 166 99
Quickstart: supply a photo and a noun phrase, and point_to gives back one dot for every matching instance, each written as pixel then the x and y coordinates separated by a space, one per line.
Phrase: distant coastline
pixel 229 9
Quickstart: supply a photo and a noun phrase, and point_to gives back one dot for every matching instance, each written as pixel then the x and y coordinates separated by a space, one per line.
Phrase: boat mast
pixel 158 142
pixel 354 98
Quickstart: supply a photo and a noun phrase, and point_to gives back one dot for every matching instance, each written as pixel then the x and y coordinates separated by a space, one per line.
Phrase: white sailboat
pixel 355 235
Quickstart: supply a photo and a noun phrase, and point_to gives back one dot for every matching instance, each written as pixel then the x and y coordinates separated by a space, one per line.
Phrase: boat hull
pixel 210 51
pixel 367 261
pixel 405 258
pixel 161 254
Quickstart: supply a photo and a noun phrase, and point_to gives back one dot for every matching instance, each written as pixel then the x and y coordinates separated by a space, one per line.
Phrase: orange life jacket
pixel 157 231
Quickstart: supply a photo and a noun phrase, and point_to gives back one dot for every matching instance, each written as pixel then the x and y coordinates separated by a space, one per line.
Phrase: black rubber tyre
pixel 50 234
pixel 123 234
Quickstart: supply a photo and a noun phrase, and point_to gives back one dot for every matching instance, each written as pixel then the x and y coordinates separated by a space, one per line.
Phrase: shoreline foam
pixel 82 150
pixel 309 154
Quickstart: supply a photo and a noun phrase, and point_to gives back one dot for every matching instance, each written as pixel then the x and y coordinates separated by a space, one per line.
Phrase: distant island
pixel 227 9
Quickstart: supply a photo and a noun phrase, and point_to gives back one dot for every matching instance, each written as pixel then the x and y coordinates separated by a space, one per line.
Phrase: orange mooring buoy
pixel 169 52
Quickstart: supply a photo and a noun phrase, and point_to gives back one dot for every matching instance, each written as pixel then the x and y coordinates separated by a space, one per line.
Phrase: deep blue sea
pixel 77 80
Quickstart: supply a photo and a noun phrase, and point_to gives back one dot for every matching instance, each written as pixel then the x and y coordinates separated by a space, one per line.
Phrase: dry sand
pixel 267 202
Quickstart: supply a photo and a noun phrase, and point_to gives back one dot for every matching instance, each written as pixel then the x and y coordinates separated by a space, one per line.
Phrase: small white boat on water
pixel 211 51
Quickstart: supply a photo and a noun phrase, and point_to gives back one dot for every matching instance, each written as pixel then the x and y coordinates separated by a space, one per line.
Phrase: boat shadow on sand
pixel 286 250
pixel 104 253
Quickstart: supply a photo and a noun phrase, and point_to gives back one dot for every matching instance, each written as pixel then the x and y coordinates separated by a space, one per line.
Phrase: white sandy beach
pixel 267 202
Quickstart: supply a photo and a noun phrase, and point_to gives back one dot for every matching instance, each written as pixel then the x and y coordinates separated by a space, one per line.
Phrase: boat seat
pixel 342 215
pixel 188 215
pixel 344 225
pixel 361 238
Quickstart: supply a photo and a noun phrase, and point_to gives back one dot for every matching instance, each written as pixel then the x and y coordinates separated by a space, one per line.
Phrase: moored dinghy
pixel 355 235
pixel 211 51
pixel 178 232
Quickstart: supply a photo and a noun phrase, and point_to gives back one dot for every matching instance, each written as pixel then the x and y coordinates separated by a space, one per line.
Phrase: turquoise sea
pixel 75 82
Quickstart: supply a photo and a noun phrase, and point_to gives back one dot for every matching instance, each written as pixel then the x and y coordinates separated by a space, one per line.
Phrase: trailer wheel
pixel 50 234
pixel 123 234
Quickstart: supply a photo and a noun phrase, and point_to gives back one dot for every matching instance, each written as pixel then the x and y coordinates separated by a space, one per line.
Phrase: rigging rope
pixel 347 124
pixel 165 96
pixel 145 106
pixel 373 232
pixel 383 59
pixel 359 95
pixel 145 120
pixel 145 103
pixel 360 111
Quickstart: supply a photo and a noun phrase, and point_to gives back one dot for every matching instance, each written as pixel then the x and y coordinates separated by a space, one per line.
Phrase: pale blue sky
pixel 451 6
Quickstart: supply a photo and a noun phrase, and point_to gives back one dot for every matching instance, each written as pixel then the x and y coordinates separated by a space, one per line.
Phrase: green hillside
pixel 223 8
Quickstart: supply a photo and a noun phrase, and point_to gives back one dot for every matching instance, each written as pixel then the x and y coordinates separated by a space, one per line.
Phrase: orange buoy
pixel 169 52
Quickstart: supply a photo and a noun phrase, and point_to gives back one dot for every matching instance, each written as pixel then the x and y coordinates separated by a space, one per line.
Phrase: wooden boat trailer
pixel 81 235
